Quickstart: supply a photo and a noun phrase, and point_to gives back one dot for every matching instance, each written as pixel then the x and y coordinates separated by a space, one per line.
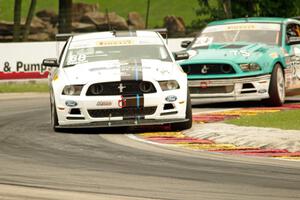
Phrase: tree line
pixel 207 11
pixel 64 18
pixel 211 10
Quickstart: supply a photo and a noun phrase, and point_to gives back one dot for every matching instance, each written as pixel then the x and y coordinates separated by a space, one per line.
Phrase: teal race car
pixel 243 60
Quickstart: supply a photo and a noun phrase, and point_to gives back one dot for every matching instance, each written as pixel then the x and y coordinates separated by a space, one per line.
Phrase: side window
pixel 293 32
pixel 293 39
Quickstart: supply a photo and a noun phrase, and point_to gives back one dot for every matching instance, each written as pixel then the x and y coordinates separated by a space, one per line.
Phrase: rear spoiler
pixel 66 36
pixel 296 17
pixel 162 31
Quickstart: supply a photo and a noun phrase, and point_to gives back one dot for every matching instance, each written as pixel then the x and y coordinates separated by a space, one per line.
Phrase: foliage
pixel 211 10
pixel 29 19
pixel 17 20
pixel 278 8
pixel 65 16
pixel 207 12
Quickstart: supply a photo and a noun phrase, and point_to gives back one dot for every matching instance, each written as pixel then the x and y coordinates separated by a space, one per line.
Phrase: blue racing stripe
pixel 137 101
pixel 138 105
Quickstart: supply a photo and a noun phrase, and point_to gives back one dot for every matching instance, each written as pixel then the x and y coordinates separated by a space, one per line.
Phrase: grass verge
pixel 288 120
pixel 23 87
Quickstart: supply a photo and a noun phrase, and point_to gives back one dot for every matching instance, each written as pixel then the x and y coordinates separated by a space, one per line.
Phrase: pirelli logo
pixel 242 27
pixel 114 42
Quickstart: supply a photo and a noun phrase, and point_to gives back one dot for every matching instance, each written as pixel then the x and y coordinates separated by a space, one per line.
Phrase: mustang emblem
pixel 204 69
pixel 121 87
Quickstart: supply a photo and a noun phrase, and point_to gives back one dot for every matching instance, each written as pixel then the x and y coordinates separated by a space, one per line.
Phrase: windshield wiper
pixel 71 65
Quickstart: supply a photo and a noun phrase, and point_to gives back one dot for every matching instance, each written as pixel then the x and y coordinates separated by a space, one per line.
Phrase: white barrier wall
pixel 24 60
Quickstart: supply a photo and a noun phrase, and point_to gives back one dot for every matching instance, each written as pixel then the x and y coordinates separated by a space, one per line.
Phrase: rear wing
pixel 296 17
pixel 64 36
pixel 162 31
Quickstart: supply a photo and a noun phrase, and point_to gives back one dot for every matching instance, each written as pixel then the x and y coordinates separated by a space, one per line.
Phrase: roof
pixel 253 19
pixel 115 38
pixel 111 34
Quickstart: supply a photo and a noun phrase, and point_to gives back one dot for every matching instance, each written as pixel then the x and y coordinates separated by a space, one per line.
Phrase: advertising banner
pixel 24 60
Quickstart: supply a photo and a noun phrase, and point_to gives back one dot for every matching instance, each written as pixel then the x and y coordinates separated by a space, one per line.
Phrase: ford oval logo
pixel 262 91
pixel 71 103
pixel 171 98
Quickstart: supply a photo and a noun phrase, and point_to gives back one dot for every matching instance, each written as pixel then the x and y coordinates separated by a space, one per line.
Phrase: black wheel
pixel 276 88
pixel 53 115
pixel 188 113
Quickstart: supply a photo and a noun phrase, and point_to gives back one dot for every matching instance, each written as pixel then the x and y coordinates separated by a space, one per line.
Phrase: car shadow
pixel 242 104
pixel 116 130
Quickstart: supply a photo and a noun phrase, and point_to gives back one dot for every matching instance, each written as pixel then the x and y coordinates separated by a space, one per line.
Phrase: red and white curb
pixel 179 139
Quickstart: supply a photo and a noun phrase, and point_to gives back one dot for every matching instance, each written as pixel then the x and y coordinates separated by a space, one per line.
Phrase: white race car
pixel 109 79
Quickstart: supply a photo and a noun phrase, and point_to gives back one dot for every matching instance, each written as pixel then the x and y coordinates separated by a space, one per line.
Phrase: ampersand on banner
pixel 6 67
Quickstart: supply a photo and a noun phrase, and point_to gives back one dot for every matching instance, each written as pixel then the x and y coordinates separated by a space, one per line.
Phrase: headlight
pixel 169 85
pixel 248 67
pixel 72 90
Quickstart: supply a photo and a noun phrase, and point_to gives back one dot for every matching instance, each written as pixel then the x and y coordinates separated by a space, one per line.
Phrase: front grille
pixel 211 90
pixel 208 69
pixel 124 112
pixel 121 88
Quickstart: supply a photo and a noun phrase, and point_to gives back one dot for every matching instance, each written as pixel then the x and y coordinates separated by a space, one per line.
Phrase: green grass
pixel 26 87
pixel 158 8
pixel 288 120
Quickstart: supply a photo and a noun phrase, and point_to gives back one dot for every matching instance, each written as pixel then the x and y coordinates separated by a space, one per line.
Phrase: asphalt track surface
pixel 36 163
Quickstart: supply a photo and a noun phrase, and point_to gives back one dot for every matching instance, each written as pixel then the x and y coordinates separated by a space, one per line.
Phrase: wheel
pixel 188 113
pixel 277 87
pixel 53 117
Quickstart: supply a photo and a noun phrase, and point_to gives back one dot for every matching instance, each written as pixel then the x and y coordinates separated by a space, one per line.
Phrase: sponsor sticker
pixel 242 26
pixel 171 98
pixel 122 102
pixel 274 55
pixel 203 84
pixel 104 103
pixel 114 42
pixel 240 53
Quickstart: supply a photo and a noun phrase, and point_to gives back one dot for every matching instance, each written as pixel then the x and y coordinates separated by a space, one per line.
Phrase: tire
pixel 53 116
pixel 277 87
pixel 188 113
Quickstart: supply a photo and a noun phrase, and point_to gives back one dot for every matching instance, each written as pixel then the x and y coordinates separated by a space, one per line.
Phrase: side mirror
pixel 181 55
pixel 185 43
pixel 50 62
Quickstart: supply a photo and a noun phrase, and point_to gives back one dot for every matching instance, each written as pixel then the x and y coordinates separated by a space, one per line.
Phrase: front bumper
pixel 105 111
pixel 227 90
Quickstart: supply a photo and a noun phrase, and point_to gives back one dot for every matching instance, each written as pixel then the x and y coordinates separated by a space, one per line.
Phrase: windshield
pixel 243 32
pixel 104 53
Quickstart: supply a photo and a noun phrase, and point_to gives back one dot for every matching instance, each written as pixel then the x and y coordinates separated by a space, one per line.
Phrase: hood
pixel 115 70
pixel 238 52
